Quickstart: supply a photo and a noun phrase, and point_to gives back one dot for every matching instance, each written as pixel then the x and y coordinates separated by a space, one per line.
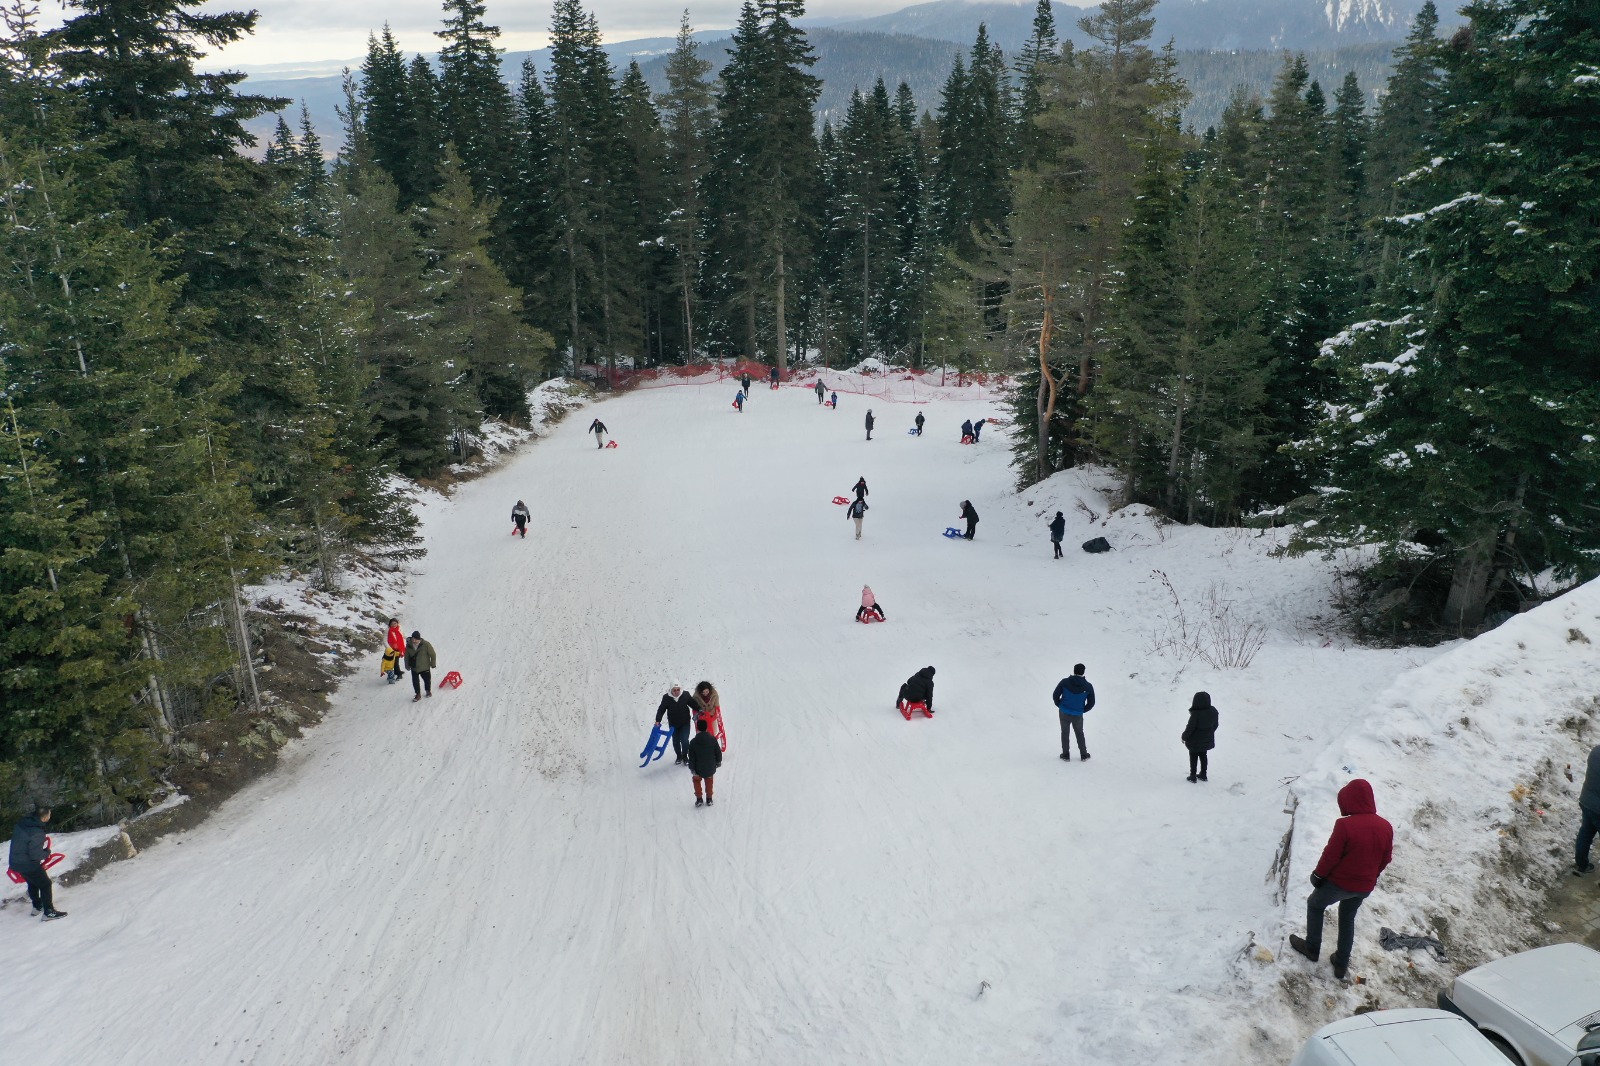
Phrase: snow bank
pixel 1470 756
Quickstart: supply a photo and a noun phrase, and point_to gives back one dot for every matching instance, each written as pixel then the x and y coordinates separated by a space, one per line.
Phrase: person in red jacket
pixel 396 644
pixel 1361 846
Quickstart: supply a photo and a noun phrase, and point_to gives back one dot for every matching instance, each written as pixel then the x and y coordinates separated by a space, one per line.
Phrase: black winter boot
pixel 1305 949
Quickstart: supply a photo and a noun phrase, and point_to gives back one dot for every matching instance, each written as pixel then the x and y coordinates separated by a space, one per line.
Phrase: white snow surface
pixel 488 876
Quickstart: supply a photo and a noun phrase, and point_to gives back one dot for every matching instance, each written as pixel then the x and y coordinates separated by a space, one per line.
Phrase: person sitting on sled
pixel 869 604
pixel 917 689
pixel 519 517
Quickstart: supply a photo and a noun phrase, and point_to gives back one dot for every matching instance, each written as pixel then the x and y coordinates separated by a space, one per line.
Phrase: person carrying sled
pixel 1360 848
pixel 970 513
pixel 1058 530
pixel 28 854
pixel 705 756
pixel 869 423
pixel 917 689
pixel 598 428
pixel 966 431
pixel 822 392
pixel 1200 735
pixel 919 421
pixel 705 694
pixel 869 605
pixel 860 488
pixel 519 518
pixel 1073 697
pixel 394 651
pixel 738 401
pixel 679 708
pixel 856 512
pixel 420 660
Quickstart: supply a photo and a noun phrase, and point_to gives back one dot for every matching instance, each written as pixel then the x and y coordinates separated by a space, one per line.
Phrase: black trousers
pixel 1322 897
pixel 1072 725
pixel 40 892
pixel 522 525
pixel 972 528
pixel 420 678
pixel 1197 763
pixel 680 741
pixel 1588 826
pixel 1057 544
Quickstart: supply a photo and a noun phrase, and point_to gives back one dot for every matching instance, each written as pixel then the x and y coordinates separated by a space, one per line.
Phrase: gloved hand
pixel 1317 881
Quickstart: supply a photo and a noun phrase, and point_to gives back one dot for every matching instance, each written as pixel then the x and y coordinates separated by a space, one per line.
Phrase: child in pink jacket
pixel 869 602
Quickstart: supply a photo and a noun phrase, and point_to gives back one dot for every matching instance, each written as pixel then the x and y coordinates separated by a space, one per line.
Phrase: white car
pixel 1412 1037
pixel 1539 1007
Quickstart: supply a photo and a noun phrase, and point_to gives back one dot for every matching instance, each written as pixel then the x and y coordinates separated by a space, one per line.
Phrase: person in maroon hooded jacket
pixel 1361 846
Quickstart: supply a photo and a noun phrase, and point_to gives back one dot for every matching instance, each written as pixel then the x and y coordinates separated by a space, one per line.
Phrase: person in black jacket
pixel 977 429
pixel 856 512
pixel 1058 529
pixel 704 757
pixel 970 513
pixel 1200 735
pixel 679 708
pixel 860 488
pixel 920 420
pixel 966 431
pixel 869 423
pixel 598 428
pixel 28 853
pixel 917 689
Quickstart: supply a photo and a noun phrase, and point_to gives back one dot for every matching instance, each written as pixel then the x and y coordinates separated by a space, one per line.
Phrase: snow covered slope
pixel 489 877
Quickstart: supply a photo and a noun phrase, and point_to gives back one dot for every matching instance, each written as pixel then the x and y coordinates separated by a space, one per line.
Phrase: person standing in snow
pixel 860 487
pixel 1074 698
pixel 1361 846
pixel 738 401
pixel 869 602
pixel 966 431
pixel 28 854
pixel 705 756
pixel 1200 735
pixel 394 651
pixel 917 689
pixel 519 518
pixel 970 513
pixel 1588 814
pixel 919 420
pixel 822 392
pixel 420 660
pixel 679 708
pixel 773 375
pixel 869 423
pixel 977 430
pixel 744 382
pixel 1058 529
pixel 598 428
pixel 857 511
pixel 833 400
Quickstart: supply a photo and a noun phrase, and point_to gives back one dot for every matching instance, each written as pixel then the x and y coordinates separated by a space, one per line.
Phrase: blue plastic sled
pixel 656 746
pixel 953 532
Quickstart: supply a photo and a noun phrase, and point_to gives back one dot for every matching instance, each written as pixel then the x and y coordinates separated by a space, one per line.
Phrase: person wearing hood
pixel 869 602
pixel 394 651
pixel 1058 530
pixel 1200 735
pixel 869 423
pixel 738 401
pixel 860 488
pixel 772 375
pixel 519 518
pixel 679 708
pixel 1073 697
pixel 1588 814
pixel 966 432
pixel 821 391
pixel 1361 846
pixel 420 660
pixel 977 429
pixel 920 420
pixel 856 512
pixel 917 689
pixel 970 513
pixel 28 854
pixel 833 400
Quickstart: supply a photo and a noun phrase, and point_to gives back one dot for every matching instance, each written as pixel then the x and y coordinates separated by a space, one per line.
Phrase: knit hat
pixel 416 634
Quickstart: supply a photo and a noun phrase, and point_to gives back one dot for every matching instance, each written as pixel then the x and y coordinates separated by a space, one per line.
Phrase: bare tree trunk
pixel 780 327
pixel 1469 583
pixel 866 279
pixel 572 294
pixel 1047 381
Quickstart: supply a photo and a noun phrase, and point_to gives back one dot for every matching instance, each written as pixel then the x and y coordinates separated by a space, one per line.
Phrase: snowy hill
pixel 488 875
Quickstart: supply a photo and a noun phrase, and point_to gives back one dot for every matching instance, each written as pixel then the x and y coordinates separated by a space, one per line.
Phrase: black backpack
pixel 1097 545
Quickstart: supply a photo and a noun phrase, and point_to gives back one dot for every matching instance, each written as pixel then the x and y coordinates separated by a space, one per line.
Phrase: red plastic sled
pixel 840 500
pixel 908 709
pixel 50 860
pixel 869 618
pixel 827 403
pixel 714 727
pixel 451 680
pixel 967 439
pixel 611 444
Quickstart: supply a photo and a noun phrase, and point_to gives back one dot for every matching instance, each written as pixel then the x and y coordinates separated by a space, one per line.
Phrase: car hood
pixel 1409 1038
pixel 1554 987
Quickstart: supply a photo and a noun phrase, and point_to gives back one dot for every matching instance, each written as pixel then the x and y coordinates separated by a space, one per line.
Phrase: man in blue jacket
pixel 28 853
pixel 1588 813
pixel 1073 697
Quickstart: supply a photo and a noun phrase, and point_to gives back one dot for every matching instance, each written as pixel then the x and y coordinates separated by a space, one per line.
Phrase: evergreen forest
pixel 1369 312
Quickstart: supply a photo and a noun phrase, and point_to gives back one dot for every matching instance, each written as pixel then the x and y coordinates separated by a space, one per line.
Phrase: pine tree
pixel 1041 49
pixel 1473 390
pixel 496 357
pixel 476 110
pixel 644 263
pixel 688 110
pixel 425 151
pixel 1407 112
pixel 527 234
pixel 388 117
pixel 975 150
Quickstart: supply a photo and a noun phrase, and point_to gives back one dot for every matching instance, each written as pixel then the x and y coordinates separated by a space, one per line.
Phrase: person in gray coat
pixel 1588 813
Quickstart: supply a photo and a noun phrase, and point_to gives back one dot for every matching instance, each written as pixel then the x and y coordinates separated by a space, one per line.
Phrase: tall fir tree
pixel 688 109
pixel 476 109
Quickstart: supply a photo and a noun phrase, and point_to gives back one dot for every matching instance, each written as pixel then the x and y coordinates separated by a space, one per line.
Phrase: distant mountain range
pixel 1222 44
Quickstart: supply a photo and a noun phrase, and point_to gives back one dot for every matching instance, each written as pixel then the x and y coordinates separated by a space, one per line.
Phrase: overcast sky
pixel 297 31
